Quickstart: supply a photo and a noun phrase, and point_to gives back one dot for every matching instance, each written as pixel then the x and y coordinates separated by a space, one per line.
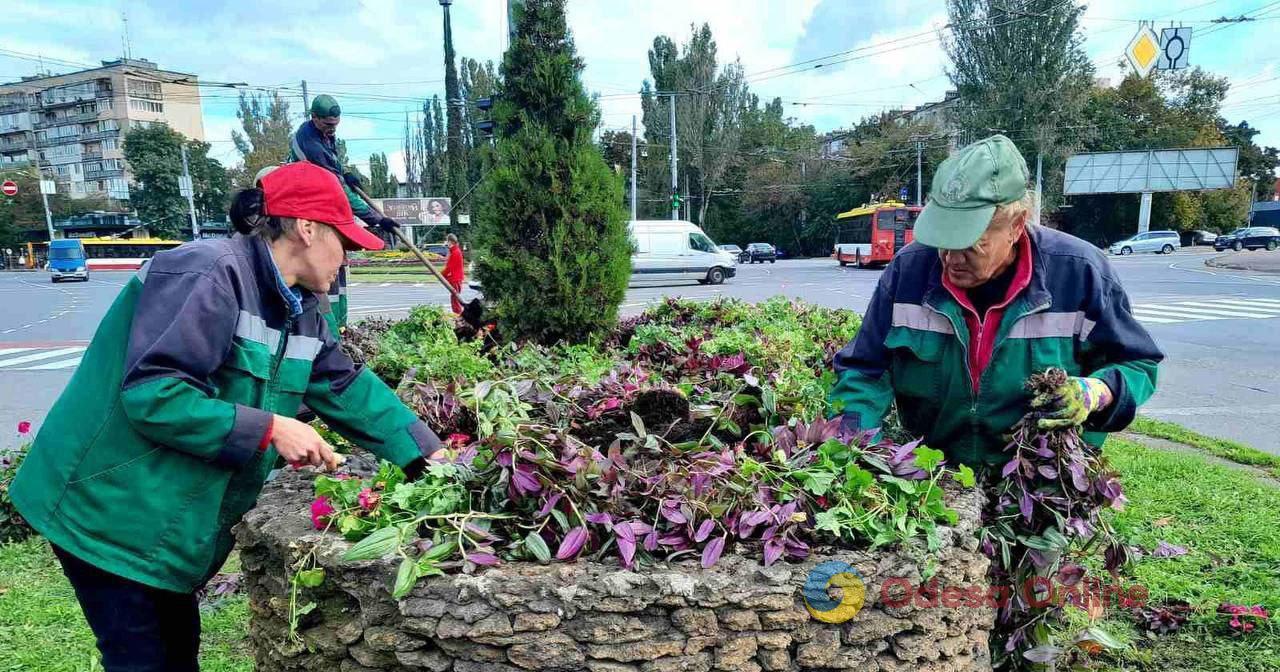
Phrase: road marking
pixel 1184 313
pixel 385 284
pixel 11 351
pixel 1235 308
pixel 53 365
pixel 1155 320
pixel 48 354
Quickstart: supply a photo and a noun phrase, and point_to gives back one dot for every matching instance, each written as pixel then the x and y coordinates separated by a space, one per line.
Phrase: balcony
pixel 103 173
pixel 61 140
pixel 11 145
pixel 70 119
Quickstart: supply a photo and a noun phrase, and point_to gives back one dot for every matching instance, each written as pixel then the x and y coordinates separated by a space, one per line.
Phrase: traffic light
pixel 675 200
pixel 485 126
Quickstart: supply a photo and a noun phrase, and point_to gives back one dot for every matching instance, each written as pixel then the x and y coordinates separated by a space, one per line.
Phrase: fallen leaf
pixel 1161 522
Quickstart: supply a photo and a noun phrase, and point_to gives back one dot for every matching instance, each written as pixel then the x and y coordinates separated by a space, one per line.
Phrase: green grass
pixel 1229 450
pixel 42 628
pixel 1226 518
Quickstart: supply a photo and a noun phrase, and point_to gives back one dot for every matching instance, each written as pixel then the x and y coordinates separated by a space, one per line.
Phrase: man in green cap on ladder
pixel 316 141
pixel 981 300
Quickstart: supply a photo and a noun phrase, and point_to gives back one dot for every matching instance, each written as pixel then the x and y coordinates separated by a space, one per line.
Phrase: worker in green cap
pixel 316 141
pixel 981 300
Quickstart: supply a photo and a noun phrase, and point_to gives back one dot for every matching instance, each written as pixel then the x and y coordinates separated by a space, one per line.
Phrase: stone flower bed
pixel 737 615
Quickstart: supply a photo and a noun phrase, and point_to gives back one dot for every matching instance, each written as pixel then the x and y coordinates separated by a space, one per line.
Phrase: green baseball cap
pixel 325 106
pixel 966 190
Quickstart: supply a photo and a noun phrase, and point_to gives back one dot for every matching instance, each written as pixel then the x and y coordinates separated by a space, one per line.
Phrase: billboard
pixel 1151 170
pixel 417 211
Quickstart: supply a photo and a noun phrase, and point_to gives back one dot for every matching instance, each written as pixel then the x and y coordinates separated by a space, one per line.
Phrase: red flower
pixel 24 427
pixel 320 512
pixel 368 499
pixel 458 440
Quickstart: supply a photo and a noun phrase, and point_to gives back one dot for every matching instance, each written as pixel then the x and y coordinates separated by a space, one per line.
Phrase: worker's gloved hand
pixel 351 179
pixel 387 224
pixel 1071 404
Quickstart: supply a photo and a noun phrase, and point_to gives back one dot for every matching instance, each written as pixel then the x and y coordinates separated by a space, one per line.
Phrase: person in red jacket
pixel 453 270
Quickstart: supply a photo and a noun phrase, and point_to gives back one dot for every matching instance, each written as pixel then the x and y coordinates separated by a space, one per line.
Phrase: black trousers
pixel 138 628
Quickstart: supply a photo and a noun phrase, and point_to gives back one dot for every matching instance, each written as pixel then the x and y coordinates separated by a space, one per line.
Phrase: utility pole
pixel 188 189
pixel 675 186
pixel 919 151
pixel 686 201
pixel 306 100
pixel 634 186
pixel 453 145
pixel 35 154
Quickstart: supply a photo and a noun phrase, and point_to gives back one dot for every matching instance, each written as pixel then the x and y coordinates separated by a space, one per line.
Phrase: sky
pixel 380 58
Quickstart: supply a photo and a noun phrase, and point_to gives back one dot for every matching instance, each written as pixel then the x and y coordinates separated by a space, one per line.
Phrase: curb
pixel 1224 261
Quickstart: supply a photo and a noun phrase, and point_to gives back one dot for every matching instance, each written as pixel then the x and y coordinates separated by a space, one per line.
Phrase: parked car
pixel 1249 238
pixel 1192 238
pixel 681 249
pixel 67 260
pixel 760 252
pixel 734 250
pixel 1160 242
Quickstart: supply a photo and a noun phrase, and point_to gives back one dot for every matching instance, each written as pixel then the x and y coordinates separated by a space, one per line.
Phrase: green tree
pixel 710 102
pixel 615 147
pixel 478 81
pixel 382 183
pixel 554 254
pixel 265 141
pixel 154 155
pixel 1020 69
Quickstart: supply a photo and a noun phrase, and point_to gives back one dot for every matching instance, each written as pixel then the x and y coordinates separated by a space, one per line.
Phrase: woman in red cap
pixel 182 404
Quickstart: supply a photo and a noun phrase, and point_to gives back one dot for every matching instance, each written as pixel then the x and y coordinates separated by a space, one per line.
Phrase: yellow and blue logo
pixel 834 573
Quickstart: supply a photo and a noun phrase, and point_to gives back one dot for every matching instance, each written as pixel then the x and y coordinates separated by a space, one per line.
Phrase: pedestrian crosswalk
pixel 40 357
pixel 1207 308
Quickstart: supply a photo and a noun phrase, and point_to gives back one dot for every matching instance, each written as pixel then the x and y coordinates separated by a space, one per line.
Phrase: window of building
pixel 109 143
pixel 145 106
pixel 143 88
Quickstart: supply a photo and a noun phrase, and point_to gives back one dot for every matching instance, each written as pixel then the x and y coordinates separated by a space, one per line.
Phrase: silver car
pixel 1160 242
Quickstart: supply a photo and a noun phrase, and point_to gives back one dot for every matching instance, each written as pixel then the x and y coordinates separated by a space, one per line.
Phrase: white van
pixel 667 248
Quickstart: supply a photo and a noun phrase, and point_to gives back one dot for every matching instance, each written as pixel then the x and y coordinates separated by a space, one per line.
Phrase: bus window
pixel 912 216
pixel 884 220
pixel 855 230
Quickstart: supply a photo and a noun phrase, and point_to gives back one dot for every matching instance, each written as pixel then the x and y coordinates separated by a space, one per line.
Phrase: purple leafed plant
pixel 1049 498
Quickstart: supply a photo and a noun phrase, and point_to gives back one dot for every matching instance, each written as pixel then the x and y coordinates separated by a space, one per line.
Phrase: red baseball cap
pixel 307 191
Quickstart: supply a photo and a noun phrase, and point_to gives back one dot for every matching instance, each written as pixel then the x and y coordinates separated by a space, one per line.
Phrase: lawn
pixel 41 627
pixel 1225 517
pixel 392 274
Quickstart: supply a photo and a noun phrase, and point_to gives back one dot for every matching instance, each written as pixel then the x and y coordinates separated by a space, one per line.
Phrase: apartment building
pixel 75 123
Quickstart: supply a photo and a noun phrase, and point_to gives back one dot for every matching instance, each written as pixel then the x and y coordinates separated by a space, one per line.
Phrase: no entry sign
pixel 10 188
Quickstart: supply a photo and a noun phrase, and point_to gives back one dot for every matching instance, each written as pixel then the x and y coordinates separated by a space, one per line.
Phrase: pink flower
pixel 458 440
pixel 1235 622
pixel 1259 611
pixel 1248 627
pixel 320 511
pixel 368 499
pixel 24 427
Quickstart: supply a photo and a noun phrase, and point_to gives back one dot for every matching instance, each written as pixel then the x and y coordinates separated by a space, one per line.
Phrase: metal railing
pixel 104 173
pixel 79 117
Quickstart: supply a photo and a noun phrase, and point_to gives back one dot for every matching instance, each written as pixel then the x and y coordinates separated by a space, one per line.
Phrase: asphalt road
pixel 1218 328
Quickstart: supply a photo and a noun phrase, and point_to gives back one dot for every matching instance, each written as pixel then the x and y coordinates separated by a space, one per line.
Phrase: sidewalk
pixel 1259 261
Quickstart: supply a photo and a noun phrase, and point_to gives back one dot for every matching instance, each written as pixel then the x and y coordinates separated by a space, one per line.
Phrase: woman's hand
pixel 300 444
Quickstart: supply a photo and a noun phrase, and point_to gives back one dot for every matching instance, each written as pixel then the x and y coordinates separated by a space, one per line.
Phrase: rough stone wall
pixel 737 616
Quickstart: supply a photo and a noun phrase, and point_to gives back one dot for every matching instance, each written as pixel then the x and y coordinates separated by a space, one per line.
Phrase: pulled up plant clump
pixel 1049 496
pixel 690 431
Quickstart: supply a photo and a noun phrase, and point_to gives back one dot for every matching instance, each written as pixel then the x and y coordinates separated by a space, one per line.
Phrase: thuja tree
pixel 554 254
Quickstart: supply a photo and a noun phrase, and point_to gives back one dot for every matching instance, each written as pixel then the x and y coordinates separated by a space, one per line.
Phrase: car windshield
pixel 65 253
